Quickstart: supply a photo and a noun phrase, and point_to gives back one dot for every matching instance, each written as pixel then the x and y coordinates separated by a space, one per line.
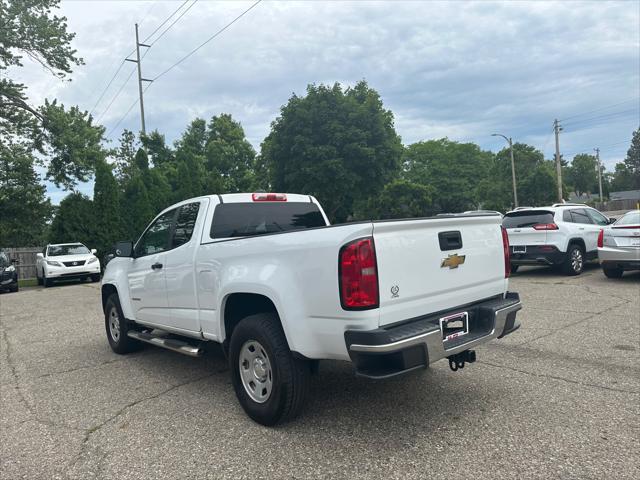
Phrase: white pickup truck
pixel 269 278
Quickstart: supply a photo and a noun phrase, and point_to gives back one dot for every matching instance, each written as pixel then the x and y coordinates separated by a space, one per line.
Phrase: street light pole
pixel 513 167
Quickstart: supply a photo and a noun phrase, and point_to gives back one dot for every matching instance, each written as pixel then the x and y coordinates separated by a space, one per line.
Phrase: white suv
pixel 66 261
pixel 563 234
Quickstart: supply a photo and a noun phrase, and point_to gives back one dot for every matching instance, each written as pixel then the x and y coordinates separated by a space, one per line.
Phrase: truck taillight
pixel 269 197
pixel 358 275
pixel 505 248
pixel 601 238
pixel 545 226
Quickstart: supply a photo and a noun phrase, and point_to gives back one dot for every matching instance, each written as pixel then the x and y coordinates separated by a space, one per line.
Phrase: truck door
pixel 180 266
pixel 147 284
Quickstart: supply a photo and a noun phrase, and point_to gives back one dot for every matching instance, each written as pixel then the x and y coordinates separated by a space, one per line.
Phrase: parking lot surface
pixel 560 398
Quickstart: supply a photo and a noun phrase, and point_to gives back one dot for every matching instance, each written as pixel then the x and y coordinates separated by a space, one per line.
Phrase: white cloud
pixel 456 69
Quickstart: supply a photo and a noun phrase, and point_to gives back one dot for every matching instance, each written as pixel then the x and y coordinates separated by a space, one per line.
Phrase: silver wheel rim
pixel 255 371
pixel 576 260
pixel 114 324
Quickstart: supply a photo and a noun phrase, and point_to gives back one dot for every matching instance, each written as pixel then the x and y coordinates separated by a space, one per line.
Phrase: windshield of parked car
pixel 75 249
pixel 631 218
pixel 4 260
pixel 247 219
pixel 526 218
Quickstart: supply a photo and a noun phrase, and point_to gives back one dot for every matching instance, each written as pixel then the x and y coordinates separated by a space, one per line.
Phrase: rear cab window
pixel 246 219
pixel 631 218
pixel 527 218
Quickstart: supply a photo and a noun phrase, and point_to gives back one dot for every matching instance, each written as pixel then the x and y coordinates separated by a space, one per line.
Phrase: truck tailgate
pixel 437 264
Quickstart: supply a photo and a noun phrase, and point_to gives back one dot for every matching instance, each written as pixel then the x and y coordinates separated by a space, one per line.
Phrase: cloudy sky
pixel 457 69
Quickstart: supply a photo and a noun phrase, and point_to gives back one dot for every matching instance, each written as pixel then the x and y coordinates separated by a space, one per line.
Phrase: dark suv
pixel 8 273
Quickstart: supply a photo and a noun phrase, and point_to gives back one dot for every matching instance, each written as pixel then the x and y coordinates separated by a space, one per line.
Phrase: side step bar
pixel 168 343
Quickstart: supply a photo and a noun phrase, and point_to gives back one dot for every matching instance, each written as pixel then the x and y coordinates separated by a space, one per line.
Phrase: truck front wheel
pixel 270 383
pixel 117 327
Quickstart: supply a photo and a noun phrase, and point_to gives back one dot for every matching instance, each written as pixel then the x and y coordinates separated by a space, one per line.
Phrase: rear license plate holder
pixel 520 249
pixel 454 326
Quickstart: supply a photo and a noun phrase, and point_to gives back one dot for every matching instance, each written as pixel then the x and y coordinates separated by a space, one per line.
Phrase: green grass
pixel 27 282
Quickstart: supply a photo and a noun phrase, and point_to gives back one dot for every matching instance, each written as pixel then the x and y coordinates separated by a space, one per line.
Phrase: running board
pixel 168 343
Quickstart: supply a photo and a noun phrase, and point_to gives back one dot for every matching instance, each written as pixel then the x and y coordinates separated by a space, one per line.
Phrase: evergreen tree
pixel 74 221
pixel 137 210
pixel 106 206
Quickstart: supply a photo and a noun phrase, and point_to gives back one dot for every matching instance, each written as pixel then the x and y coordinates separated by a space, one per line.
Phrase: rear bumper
pixel 537 255
pixel 386 352
pixel 625 258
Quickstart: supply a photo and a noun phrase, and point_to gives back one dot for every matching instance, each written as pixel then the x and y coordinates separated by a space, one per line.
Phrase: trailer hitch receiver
pixel 458 360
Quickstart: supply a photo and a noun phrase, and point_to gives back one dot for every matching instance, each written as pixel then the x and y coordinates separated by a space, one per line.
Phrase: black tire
pixel 290 375
pixel 14 288
pixel 613 272
pixel 514 268
pixel 39 279
pixel 46 282
pixel 574 260
pixel 119 343
pixel 95 278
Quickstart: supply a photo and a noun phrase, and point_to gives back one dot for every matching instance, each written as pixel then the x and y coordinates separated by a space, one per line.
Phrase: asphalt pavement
pixel 560 398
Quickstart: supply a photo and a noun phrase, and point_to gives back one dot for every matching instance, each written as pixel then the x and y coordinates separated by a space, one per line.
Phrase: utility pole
pixel 597 150
pixel 140 79
pixel 513 167
pixel 557 129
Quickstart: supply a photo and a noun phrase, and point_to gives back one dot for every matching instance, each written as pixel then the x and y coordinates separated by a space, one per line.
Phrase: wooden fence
pixel 26 257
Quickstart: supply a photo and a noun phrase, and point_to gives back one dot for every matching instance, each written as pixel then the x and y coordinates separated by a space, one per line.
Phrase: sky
pixel 461 70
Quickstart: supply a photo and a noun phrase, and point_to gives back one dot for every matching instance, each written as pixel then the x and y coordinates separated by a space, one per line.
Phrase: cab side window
pixel 185 224
pixel 597 217
pixel 156 238
pixel 579 215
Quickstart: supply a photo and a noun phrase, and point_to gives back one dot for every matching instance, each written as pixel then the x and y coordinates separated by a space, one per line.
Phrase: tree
pixel 622 178
pixel 399 199
pixel 339 145
pixel 136 209
pixel 106 207
pixel 124 155
pixel 632 161
pixel 229 156
pixel 74 221
pixel 583 173
pixel 67 136
pixel 453 170
pixel 24 208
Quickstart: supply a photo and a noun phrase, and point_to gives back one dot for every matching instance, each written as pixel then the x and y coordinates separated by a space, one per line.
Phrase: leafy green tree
pixel 453 170
pixel 583 173
pixel 66 137
pixel 539 186
pixel 124 156
pixel 106 207
pixel 157 149
pixel 399 199
pixel 632 161
pixel 74 221
pixel 229 156
pixel 621 178
pixel 339 145
pixel 24 208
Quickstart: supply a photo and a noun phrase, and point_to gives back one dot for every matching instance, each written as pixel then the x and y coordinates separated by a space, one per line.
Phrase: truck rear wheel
pixel 270 383
pixel 117 327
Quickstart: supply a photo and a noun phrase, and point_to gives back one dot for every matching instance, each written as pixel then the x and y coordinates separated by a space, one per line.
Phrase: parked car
pixel 563 235
pixel 266 276
pixel 63 261
pixel 8 273
pixel 619 245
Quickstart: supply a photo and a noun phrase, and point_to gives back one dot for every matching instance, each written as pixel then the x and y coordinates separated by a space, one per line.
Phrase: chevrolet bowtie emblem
pixel 452 261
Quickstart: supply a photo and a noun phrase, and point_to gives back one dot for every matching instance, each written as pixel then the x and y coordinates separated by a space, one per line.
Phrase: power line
pixel 148 12
pixel 165 21
pixel 206 41
pixel 107 87
pixel 173 23
pixel 601 117
pixel 116 95
pixel 126 113
pixel 601 109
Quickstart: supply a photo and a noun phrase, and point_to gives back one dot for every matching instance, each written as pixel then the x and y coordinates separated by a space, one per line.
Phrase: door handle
pixel 156 266
pixel 581 228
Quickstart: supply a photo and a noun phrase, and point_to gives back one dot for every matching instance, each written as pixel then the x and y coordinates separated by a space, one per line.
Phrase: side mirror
pixel 39 255
pixel 124 249
pixel 94 251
